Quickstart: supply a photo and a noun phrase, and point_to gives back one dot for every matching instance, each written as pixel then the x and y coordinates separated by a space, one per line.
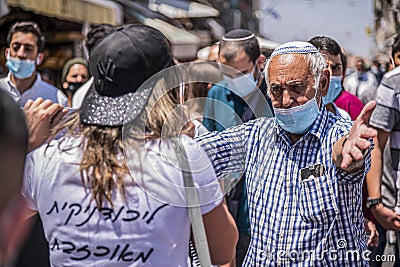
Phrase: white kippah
pixel 295 47
pixel 230 39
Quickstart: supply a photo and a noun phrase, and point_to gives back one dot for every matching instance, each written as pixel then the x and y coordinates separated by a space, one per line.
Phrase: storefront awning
pixel 182 9
pixel 93 11
pixel 267 44
pixel 184 45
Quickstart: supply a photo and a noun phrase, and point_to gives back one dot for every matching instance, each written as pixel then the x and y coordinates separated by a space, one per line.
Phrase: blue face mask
pixel 21 68
pixel 335 87
pixel 299 119
pixel 242 85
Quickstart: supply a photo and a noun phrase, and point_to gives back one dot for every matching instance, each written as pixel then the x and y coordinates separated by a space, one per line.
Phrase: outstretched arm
pixel 348 151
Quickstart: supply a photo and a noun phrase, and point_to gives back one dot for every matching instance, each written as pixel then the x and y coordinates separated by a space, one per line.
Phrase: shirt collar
pixel 37 81
pixel 317 129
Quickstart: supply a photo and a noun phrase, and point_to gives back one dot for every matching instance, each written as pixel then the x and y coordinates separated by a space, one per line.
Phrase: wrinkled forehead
pixel 289 62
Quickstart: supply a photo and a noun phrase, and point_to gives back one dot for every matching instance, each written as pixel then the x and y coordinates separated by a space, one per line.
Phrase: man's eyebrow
pixel 294 82
pixel 18 43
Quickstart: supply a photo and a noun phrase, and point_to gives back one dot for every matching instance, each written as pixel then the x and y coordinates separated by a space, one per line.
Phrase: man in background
pixel 25 44
pixel 236 99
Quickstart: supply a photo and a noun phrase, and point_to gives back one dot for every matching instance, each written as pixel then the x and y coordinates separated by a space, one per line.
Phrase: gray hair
pixel 315 61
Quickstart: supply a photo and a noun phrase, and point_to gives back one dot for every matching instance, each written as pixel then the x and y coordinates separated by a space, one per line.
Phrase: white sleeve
pixel 27 184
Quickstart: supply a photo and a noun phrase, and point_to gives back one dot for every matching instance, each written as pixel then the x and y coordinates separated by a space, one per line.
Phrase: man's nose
pixel 286 99
pixel 21 53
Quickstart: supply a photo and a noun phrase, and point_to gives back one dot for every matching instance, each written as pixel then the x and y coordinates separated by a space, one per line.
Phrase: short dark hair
pixel 96 34
pixel 231 43
pixel 396 45
pixel 27 27
pixel 329 45
pixel 326 44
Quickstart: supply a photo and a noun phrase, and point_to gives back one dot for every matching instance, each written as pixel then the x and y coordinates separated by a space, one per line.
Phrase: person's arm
pixel 222 234
pixel 385 216
pixel 374 176
pixel 41 117
pixel 226 150
pixel 348 151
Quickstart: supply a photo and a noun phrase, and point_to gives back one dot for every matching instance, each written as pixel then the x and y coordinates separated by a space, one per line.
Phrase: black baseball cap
pixel 120 63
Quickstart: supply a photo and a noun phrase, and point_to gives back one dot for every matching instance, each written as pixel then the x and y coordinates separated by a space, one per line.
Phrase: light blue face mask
pixel 242 85
pixel 21 68
pixel 335 87
pixel 299 119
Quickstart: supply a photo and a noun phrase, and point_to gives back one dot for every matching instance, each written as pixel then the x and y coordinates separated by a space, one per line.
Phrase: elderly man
pixel 304 168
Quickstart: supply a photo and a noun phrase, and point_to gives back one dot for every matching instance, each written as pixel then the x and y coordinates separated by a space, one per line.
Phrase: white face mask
pixel 242 85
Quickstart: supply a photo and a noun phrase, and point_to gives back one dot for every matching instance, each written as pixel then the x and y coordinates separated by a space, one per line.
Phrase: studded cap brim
pixel 114 111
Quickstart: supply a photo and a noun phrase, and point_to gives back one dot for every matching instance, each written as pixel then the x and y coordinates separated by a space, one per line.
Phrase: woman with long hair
pixel 109 187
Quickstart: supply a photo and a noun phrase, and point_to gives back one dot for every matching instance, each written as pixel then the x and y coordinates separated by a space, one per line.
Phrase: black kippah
pixel 238 35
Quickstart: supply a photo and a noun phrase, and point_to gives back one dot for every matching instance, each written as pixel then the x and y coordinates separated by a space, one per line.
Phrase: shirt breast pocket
pixel 317 201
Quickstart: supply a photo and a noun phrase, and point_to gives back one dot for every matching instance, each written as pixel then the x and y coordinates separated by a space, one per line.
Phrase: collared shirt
pixel 316 221
pixel 39 88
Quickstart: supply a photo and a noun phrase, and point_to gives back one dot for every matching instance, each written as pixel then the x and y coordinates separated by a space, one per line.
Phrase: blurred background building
pixel 387 24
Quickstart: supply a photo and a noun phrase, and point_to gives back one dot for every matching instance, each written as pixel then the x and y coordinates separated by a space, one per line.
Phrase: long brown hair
pixel 102 166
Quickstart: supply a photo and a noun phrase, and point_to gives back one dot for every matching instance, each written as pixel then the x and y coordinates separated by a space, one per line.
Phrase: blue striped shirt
pixel 316 221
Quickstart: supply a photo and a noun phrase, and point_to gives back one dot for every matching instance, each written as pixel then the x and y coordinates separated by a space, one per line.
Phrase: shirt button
pixel 281 234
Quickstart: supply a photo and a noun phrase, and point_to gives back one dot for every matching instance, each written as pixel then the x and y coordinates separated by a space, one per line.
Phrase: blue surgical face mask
pixel 335 87
pixel 20 68
pixel 242 85
pixel 297 120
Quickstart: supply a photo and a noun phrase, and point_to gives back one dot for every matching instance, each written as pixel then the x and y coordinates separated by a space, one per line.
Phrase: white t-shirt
pixel 148 229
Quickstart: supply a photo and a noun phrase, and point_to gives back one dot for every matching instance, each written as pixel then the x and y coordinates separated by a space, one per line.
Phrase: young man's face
pixel 23 46
pixel 241 62
pixel 334 64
